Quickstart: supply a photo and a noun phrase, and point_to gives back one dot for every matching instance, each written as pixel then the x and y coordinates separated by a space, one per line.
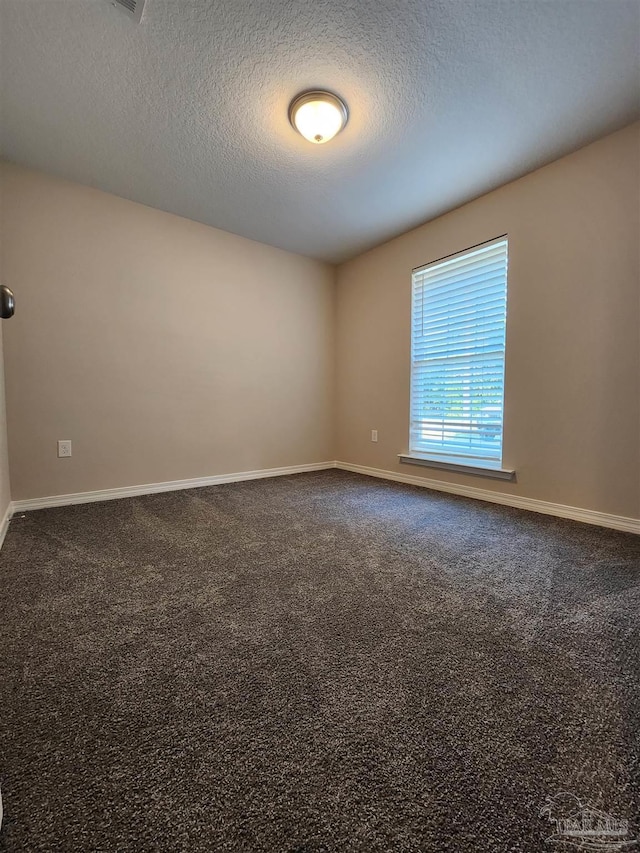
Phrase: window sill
pixel 480 468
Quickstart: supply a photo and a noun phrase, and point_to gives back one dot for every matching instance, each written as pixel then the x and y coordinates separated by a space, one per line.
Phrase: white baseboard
pixel 170 486
pixel 589 516
pixel 4 524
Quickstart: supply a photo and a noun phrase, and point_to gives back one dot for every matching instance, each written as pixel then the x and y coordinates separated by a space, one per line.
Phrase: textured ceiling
pixel 187 111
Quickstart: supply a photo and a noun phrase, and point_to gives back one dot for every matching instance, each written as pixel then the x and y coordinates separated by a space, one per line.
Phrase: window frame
pixel 461 462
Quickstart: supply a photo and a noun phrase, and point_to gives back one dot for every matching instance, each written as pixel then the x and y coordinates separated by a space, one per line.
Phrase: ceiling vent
pixel 133 8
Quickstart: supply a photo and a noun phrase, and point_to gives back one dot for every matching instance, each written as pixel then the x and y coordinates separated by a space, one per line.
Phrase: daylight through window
pixel 458 323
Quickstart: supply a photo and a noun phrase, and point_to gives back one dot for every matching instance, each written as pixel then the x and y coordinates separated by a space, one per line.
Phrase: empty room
pixel 319 426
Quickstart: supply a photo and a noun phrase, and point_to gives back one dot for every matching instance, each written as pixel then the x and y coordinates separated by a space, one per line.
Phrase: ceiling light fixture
pixel 318 116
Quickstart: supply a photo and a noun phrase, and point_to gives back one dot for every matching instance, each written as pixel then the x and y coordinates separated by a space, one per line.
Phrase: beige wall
pixel 5 487
pixel 164 349
pixel 572 421
pixel 167 350
pixel 5 490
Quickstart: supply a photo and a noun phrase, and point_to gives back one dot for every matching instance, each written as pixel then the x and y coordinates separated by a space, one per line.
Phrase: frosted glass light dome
pixel 318 116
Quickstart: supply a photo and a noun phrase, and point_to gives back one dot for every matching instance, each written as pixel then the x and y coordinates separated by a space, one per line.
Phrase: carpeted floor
pixel 324 662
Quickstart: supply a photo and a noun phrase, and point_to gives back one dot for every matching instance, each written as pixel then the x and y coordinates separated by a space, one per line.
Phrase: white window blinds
pixel 458 323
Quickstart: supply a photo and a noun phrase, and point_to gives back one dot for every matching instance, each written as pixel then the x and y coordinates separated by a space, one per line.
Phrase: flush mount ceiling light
pixel 318 116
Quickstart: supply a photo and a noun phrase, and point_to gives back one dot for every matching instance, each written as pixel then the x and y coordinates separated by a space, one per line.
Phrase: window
pixel 458 322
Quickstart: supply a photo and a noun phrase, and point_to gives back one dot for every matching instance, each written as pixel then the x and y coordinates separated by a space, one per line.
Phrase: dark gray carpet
pixel 315 663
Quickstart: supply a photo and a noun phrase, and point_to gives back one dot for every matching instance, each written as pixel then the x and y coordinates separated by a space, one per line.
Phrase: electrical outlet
pixel 64 448
pixel 374 435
